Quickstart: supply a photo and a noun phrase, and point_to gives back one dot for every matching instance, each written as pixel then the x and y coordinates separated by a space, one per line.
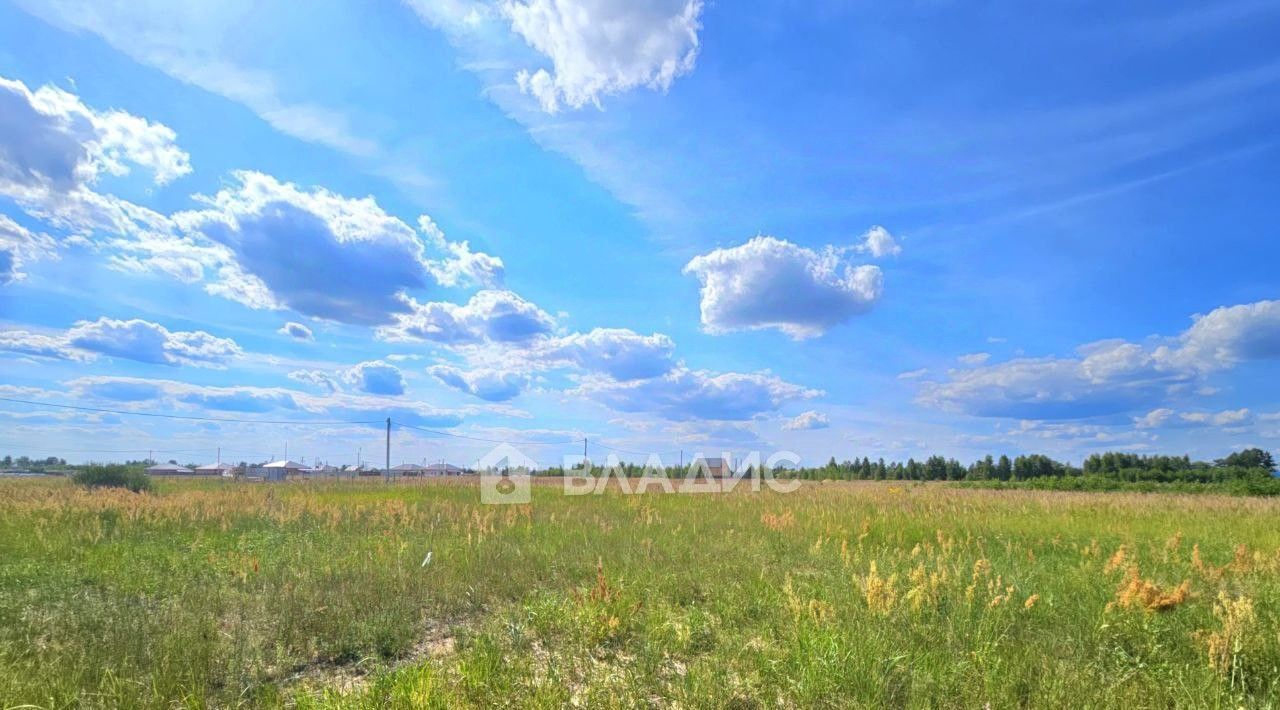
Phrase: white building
pixel 280 470
pixel 169 469
pixel 407 469
pixel 442 469
pixel 216 469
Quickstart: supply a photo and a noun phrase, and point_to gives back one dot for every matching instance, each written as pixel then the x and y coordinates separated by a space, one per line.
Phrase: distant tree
pixel 1004 469
pixel 1249 458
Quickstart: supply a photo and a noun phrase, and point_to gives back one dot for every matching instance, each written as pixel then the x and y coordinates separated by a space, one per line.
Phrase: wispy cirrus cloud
pixel 188 42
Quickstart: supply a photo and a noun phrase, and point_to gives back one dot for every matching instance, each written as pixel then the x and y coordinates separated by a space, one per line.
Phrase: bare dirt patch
pixel 437 641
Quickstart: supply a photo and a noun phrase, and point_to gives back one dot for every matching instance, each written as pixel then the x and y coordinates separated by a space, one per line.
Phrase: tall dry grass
pixel 846 594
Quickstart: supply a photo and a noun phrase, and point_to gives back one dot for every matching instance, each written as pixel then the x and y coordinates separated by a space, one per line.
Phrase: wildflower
pixel 1136 592
pixel 1227 645
pixel 1117 560
pixel 881 594
pixel 981 568
pixel 1031 601
pixel 776 522
pixel 1241 561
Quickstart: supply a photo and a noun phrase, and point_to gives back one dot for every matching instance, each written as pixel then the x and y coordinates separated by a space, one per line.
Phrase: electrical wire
pixel 487 441
pixel 529 443
pixel 636 453
pixel 193 418
pixel 183 417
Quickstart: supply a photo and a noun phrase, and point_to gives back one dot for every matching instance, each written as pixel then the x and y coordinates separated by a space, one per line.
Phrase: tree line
pixel 1248 464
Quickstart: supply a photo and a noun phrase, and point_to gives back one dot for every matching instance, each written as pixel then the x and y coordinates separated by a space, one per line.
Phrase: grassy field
pixel 851 594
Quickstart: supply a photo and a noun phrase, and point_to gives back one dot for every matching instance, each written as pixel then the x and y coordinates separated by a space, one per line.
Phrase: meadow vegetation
pixel 130 478
pixel 350 594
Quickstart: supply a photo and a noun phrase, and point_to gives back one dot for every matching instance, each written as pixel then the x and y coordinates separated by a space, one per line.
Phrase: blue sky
pixel 835 228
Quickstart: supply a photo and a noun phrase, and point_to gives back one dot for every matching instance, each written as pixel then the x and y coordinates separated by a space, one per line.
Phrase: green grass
pixel 1254 486
pixel 216 594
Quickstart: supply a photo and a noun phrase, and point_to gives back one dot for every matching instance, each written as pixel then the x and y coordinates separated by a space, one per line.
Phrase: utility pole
pixel 388 447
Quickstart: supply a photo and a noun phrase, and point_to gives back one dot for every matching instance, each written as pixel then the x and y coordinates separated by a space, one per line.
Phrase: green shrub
pixel 113 476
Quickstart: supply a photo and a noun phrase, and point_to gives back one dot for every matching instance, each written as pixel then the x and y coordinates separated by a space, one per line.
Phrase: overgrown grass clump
pixel 113 476
pixel 369 595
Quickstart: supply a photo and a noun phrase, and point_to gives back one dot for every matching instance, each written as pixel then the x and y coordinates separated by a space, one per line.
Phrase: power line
pixel 193 418
pixel 565 442
pixel 636 453
pixel 110 451
pixel 487 441
pixel 113 451
pixel 239 420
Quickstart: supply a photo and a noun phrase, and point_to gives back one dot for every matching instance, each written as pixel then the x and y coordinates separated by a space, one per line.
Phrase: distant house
pixel 442 469
pixel 285 465
pixel 169 469
pixel 715 467
pixel 280 470
pixel 216 469
pixel 407 469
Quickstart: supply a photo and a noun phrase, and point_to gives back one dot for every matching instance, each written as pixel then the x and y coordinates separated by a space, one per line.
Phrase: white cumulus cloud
pixel 1227 336
pixel 51 142
pixel 1115 376
pixel 488 384
pixel 322 254
pixel 879 243
pixel 806 421
pixel 685 394
pixel 489 316
pixel 297 331
pixel 603 47
pixel 54 149
pixel 620 353
pixel 772 283
pixel 375 377
pixel 135 339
